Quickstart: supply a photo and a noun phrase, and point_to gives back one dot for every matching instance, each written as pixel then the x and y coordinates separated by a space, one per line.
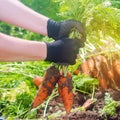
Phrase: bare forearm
pixel 14 12
pixel 15 49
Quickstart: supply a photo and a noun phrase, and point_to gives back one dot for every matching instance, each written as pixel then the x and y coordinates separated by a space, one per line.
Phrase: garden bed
pixel 56 111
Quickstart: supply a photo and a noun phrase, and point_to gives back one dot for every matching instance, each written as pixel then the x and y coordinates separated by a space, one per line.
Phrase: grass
pixel 16 86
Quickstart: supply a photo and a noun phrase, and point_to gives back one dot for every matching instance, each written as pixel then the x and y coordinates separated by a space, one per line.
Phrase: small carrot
pixel 87 104
pixel 76 72
pixel 65 91
pixel 50 79
pixel 37 80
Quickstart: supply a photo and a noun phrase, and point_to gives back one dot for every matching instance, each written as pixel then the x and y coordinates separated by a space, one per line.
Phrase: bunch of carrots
pixel 47 83
pixel 106 70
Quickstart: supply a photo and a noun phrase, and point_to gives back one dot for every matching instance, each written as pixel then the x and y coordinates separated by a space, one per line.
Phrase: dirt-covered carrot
pixel 50 79
pixel 65 91
pixel 88 104
pixel 37 80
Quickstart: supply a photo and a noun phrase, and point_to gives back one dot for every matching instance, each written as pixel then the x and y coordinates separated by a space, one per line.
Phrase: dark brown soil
pixel 55 105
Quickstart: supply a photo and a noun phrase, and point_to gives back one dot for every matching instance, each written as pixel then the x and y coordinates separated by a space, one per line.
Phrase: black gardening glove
pixel 59 30
pixel 63 51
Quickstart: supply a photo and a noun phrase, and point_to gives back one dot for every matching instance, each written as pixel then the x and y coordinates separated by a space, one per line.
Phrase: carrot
pixel 110 74
pixel 37 81
pixel 116 65
pixel 50 79
pixel 76 72
pixel 97 60
pixel 106 72
pixel 95 73
pixel 102 82
pixel 87 104
pixel 116 69
pixel 111 78
pixel 91 65
pixel 85 68
pixel 65 91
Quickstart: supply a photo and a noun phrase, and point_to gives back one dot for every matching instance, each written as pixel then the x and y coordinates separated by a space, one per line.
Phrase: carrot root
pixel 37 81
pixel 50 79
pixel 65 91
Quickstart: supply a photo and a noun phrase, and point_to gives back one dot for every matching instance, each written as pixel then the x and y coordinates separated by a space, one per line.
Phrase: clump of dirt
pixel 92 113
pixel 88 115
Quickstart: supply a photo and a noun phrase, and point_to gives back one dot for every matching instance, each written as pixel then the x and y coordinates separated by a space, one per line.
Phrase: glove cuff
pixel 53 29
pixel 49 52
pixel 53 51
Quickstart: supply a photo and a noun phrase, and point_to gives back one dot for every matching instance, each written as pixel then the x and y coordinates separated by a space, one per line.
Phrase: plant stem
pixel 51 97
pixel 82 91
pixel 93 92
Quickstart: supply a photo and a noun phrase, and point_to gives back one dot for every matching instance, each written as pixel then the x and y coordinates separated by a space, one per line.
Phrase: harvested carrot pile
pixel 106 70
pixel 46 85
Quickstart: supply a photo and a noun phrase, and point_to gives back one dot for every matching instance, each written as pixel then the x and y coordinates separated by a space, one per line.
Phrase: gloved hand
pixel 59 30
pixel 63 51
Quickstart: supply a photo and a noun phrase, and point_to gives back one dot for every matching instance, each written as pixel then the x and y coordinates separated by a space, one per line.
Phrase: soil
pixel 92 113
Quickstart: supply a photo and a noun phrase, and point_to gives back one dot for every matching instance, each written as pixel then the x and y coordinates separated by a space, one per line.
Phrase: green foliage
pixel 5 28
pixel 101 20
pixel 24 100
pixel 115 3
pixel 16 87
pixel 46 7
pixel 110 106
pixel 84 83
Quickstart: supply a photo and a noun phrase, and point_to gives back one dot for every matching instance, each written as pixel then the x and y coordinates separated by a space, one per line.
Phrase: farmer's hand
pixel 59 30
pixel 63 51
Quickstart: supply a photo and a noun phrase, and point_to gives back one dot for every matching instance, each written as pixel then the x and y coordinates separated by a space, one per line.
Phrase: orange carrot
pixel 37 81
pixel 95 73
pixel 111 79
pixel 110 74
pixel 91 65
pixel 97 59
pixel 102 82
pixel 85 68
pixel 116 69
pixel 76 72
pixel 50 79
pixel 116 66
pixel 65 91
